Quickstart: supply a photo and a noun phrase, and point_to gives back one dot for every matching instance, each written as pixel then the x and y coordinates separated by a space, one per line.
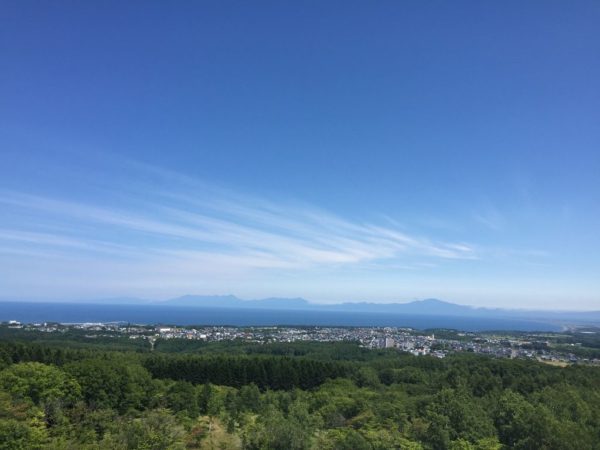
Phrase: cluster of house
pixel 402 339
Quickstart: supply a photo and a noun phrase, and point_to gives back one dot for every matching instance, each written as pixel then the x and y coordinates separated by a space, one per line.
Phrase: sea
pixel 29 312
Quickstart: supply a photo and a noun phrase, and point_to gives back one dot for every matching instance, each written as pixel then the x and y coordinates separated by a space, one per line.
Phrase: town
pixel 534 346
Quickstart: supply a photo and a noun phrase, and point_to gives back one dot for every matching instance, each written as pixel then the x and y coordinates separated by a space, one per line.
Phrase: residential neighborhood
pixel 535 346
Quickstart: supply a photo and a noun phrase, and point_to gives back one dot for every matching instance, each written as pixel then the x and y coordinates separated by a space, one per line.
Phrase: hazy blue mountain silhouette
pixel 433 307
pixel 427 307
pixel 418 307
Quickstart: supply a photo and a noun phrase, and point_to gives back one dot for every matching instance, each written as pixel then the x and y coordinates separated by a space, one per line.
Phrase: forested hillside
pixel 296 396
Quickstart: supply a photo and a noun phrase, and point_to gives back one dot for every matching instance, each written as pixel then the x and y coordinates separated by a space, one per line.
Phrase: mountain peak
pixel 432 301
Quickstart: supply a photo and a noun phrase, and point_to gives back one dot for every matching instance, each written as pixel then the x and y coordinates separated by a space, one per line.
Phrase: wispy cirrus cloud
pixel 196 230
pixel 491 218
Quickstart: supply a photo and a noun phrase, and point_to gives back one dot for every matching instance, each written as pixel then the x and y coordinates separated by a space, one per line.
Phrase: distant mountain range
pixel 420 307
pixel 427 307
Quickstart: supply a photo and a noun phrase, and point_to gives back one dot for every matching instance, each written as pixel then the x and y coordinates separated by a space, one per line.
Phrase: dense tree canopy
pixel 301 396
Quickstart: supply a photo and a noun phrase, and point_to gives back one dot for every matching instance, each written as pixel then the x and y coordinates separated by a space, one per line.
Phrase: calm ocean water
pixel 179 315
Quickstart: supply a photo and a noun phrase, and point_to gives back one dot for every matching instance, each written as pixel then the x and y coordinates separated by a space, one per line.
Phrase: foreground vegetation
pixel 295 396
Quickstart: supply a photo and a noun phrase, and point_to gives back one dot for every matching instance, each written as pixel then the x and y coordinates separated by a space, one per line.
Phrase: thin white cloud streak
pixel 491 218
pixel 53 240
pixel 192 234
pixel 310 237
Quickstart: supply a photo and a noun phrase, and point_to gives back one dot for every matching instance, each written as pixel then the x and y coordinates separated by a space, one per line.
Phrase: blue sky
pixel 339 151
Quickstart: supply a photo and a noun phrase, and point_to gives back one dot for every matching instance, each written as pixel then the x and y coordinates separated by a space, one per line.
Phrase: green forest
pixel 54 395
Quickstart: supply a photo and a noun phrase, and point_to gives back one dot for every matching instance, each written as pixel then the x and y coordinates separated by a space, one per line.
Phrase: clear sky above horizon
pixel 337 151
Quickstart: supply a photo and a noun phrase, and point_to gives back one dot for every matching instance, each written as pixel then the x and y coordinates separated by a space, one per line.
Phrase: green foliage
pixel 21 425
pixel 181 397
pixel 112 383
pixel 155 430
pixel 15 435
pixel 273 430
pixel 39 383
pixel 344 439
pixel 250 397
pixel 279 397
pixel 266 372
